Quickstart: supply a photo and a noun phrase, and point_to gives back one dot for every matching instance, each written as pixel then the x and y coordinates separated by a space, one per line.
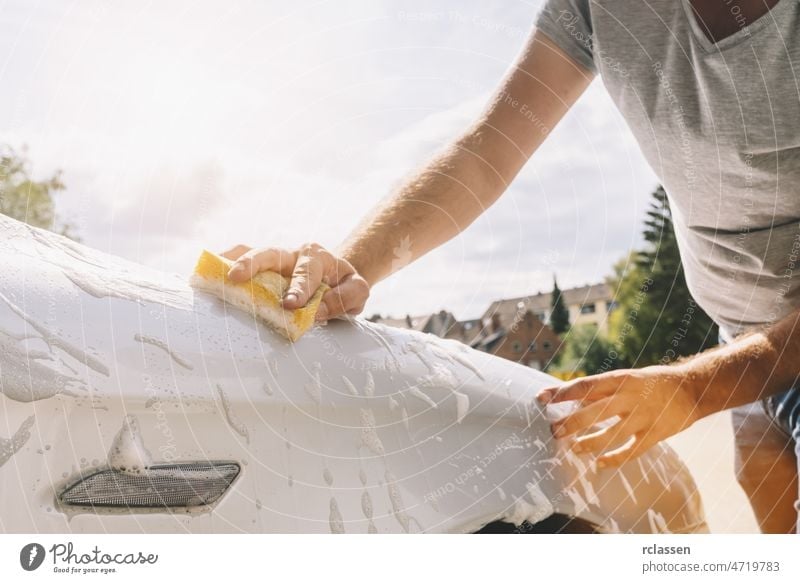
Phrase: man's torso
pixel 719 122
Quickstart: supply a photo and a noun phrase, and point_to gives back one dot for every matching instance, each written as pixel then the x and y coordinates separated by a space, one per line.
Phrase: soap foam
pixel 8 447
pixel 128 452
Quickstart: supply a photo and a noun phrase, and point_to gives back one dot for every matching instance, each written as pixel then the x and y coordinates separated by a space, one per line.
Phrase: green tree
pixel 559 315
pixel 656 319
pixel 585 350
pixel 26 199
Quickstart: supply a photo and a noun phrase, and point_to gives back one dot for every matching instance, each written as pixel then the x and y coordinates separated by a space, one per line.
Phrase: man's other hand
pixel 636 408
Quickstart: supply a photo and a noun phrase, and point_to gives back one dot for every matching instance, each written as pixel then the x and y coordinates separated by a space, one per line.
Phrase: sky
pixel 187 125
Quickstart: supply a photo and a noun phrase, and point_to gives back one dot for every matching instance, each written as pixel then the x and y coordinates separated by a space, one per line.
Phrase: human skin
pixel 656 402
pixel 440 200
pixel 468 176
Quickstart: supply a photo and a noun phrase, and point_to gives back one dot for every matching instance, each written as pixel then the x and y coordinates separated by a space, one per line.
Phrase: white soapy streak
pixel 335 520
pixel 53 340
pixel 10 446
pixel 230 415
pixel 152 341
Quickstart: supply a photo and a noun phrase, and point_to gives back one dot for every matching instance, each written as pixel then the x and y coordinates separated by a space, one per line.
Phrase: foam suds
pixel 462 406
pixel 179 360
pixel 367 509
pixel 440 376
pixel 366 504
pixel 370 330
pixel 612 527
pixel 404 415
pixel 314 388
pixel 54 341
pixel 627 486
pixel 661 471
pixel 520 512
pixel 455 357
pixel 92 274
pixel 418 348
pixel 644 472
pixel 10 446
pixel 351 388
pixel 369 388
pixel 422 397
pixel 369 435
pixel 577 501
pixel 541 503
pixel 657 523
pixel 398 507
pixel 582 470
pixel 463 361
pixel 588 491
pixel 31 376
pixel 335 519
pixel 128 453
pixel 230 416
pixel 99 286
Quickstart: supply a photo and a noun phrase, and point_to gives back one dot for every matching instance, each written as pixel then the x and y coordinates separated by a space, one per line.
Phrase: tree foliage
pixel 656 319
pixel 26 199
pixel 559 315
pixel 585 350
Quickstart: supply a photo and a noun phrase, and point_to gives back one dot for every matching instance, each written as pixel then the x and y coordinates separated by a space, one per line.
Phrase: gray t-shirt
pixel 720 126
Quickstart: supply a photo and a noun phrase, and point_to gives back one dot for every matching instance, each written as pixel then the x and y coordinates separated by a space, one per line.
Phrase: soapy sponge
pixel 260 296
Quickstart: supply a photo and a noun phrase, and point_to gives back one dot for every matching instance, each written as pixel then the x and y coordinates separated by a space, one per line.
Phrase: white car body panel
pixel 356 427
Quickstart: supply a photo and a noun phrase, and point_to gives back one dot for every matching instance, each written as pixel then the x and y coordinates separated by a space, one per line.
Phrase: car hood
pixel 354 428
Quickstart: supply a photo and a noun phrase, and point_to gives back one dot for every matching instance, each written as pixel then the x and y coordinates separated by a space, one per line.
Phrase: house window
pixel 542 316
pixel 532 346
pixel 516 346
pixel 547 345
pixel 611 306
pixel 587 309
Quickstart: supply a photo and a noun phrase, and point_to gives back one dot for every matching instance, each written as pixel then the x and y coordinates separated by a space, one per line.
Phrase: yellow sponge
pixel 260 296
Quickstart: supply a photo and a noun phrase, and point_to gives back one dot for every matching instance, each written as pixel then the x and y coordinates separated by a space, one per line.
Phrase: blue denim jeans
pixel 784 410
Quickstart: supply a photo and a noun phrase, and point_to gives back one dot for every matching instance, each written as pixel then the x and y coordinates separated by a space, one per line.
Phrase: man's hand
pixel 648 405
pixel 308 267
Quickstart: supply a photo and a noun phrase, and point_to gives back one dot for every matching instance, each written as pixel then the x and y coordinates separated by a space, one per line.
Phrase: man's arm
pixel 656 402
pixel 451 191
pixel 441 199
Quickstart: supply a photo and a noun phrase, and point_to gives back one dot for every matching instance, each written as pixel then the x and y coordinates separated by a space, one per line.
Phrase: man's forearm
pixel 431 207
pixel 752 368
pixel 449 193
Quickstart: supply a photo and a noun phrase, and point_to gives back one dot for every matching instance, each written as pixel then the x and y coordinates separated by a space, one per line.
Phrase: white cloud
pixel 281 122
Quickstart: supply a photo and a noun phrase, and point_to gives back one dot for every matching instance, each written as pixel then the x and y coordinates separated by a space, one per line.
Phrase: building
pixel 442 324
pixel 587 305
pixel 517 328
pixel 525 339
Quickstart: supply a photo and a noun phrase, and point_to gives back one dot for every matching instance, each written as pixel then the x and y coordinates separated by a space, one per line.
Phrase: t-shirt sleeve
pixel 568 23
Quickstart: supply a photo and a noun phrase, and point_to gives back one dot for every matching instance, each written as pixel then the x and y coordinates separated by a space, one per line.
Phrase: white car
pixel 132 403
